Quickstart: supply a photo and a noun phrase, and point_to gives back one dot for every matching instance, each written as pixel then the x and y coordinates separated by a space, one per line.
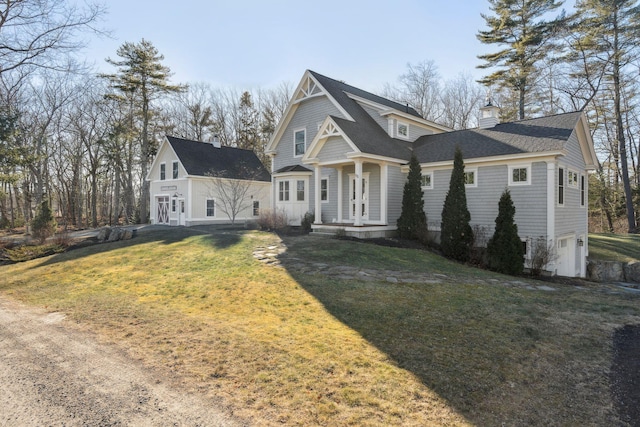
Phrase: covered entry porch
pixel 351 198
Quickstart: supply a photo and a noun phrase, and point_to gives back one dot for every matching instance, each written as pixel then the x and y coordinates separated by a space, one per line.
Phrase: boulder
pixel 103 234
pixel 116 234
pixel 605 271
pixel 632 271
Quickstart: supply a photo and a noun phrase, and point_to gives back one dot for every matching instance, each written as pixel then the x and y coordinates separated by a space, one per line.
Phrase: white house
pixel 342 153
pixel 193 183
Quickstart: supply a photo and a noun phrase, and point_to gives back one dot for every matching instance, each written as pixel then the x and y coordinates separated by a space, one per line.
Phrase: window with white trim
pixel 324 190
pixel 163 171
pixel 256 208
pixel 300 190
pixel 471 178
pixel 572 178
pixel 583 190
pixel 427 180
pixel 299 142
pixel 175 170
pixel 283 191
pixel 174 203
pixel 211 207
pixel 561 186
pixel 519 175
pixel 403 130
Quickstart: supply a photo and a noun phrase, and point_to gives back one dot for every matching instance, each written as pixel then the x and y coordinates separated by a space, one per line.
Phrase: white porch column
pixel 358 188
pixel 340 218
pixel 384 177
pixel 318 204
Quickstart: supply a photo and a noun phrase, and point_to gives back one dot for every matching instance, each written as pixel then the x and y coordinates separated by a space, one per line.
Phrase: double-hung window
pixel 583 190
pixel 300 191
pixel 283 191
pixel 211 207
pixel 163 171
pixel 324 190
pixel 256 208
pixel 299 142
pixel 175 170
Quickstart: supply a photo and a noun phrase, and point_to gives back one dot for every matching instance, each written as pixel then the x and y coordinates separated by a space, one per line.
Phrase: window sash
pixel 175 170
pixel 299 142
pixel 470 178
pixel 300 191
pixel 256 208
pixel 324 190
pixel 403 130
pixel 427 180
pixel 211 207
pixel 519 175
pixel 163 172
pixel 283 191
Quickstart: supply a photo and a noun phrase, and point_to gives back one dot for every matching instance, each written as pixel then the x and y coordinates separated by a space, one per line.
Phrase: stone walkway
pixel 275 255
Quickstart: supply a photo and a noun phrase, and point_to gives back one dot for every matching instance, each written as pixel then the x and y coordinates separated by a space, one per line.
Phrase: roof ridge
pixel 206 142
pixel 400 107
pixel 543 117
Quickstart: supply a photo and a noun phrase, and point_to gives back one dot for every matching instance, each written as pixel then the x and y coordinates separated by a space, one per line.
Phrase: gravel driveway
pixel 54 375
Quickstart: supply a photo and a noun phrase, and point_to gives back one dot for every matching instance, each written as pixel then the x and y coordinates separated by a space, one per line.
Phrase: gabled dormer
pixel 399 121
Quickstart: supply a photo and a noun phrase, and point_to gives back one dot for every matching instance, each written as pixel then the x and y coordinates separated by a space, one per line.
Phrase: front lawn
pixel 291 345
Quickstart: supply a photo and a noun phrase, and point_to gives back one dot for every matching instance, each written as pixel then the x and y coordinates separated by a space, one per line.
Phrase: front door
pixel 364 207
pixel 566 264
pixel 163 210
pixel 181 215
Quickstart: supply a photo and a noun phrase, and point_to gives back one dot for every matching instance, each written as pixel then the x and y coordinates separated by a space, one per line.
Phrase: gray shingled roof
pixel 203 159
pixel 365 132
pixel 293 168
pixel 527 136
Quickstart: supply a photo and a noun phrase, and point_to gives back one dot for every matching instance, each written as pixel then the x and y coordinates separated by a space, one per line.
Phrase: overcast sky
pixel 249 44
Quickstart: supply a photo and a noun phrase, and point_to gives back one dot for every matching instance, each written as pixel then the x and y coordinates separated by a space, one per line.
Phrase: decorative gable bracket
pixel 308 89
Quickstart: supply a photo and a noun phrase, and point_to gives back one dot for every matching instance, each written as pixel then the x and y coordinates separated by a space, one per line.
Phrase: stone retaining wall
pixel 613 271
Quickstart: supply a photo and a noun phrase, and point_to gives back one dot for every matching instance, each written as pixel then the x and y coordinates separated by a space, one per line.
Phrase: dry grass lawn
pixel 276 346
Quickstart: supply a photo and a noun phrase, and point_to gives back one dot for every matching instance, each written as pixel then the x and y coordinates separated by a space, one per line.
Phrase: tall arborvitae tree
pixel 412 222
pixel 524 37
pixel 609 31
pixel 142 76
pixel 456 235
pixel 43 224
pixel 505 251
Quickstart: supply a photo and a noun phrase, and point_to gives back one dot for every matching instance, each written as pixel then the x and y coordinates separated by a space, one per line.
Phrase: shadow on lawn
pixel 218 237
pixel 482 349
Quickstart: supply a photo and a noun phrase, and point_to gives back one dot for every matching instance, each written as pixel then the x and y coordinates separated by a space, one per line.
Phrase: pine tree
pixel 248 133
pixel 142 77
pixel 43 224
pixel 413 221
pixel 456 235
pixel 525 39
pixel 608 31
pixel 505 251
